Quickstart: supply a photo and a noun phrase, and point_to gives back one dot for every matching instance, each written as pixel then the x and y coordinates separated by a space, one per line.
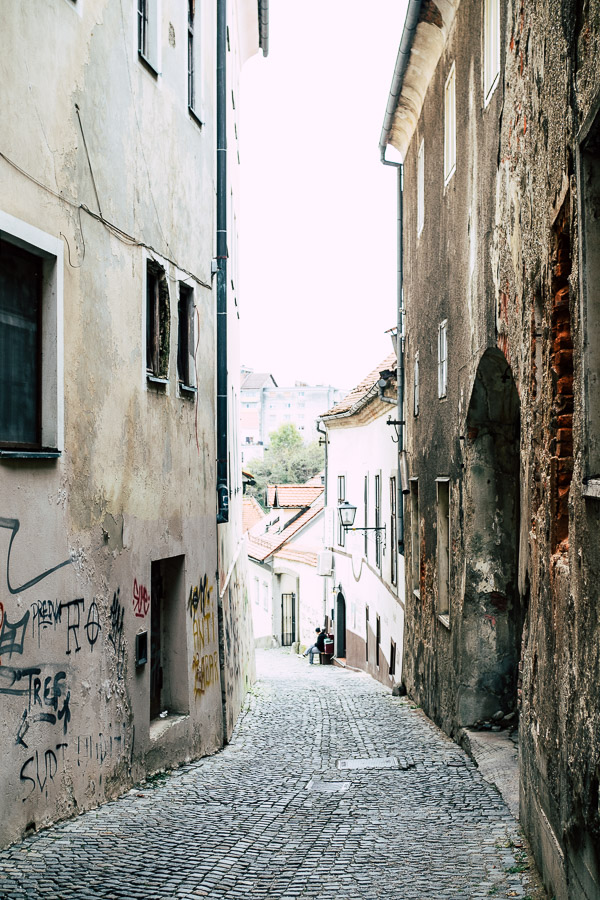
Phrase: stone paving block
pixel 266 817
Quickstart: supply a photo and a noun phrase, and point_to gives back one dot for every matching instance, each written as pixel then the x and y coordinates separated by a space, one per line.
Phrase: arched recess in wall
pixel 491 627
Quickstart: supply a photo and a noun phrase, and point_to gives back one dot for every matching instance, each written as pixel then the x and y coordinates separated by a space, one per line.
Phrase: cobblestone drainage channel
pixel 376 762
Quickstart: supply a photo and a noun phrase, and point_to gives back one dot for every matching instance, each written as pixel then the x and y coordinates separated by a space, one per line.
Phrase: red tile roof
pixel 264 546
pixel 251 513
pixel 292 496
pixel 361 391
pixel 303 556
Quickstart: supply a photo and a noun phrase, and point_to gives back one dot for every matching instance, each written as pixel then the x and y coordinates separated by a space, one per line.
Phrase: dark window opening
pixel 20 347
pixel 367 634
pixel 392 658
pixel 443 547
pixel 168 655
pixel 157 322
pixel 186 349
pixel 191 71
pixel 393 547
pixel 143 27
pixel 378 521
pixel 377 641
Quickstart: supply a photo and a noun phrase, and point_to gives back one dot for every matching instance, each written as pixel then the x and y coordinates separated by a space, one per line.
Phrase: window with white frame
pixel 341 482
pixel 393 533
pixel 31 340
pixel 186 339
pixel 366 514
pixel 378 536
pixel 443 546
pixel 416 385
pixel 491 49
pixel 443 359
pixel 421 188
pixel 415 542
pixel 450 125
pixel 194 66
pixel 147 33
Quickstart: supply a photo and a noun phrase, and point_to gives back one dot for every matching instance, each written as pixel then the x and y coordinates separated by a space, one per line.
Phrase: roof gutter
pixel 408 33
pixel 263 26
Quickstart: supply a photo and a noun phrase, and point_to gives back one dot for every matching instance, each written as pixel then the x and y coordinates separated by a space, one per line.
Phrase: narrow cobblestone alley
pixel 330 788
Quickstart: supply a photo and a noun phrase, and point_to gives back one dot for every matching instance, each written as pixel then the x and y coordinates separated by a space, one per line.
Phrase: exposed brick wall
pixel 561 364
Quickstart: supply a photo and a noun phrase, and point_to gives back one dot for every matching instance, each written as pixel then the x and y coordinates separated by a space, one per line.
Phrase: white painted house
pixel 287 594
pixel 365 580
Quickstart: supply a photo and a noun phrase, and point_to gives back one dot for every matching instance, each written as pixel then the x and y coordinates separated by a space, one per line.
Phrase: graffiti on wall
pixel 37 695
pixel 141 600
pixel 205 663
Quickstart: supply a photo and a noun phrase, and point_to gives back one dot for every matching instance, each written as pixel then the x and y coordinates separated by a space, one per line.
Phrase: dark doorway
pixel 340 626
pixel 492 616
pixel 288 619
pixel 168 646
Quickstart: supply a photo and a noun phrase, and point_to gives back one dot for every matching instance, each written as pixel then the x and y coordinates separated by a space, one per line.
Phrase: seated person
pixel 318 646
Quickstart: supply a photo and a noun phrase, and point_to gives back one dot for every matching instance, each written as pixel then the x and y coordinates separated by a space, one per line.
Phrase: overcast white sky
pixel 318 210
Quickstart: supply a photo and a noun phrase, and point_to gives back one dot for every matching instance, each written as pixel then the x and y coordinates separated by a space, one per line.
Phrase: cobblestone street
pixel 330 788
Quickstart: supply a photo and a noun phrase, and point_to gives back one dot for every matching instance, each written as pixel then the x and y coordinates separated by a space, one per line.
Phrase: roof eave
pixel 423 39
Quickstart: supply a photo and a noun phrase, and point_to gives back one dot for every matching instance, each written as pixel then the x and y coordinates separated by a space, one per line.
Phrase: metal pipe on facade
pixel 408 33
pixel 222 468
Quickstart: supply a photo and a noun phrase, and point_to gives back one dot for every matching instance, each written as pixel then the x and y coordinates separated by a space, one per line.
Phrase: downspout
pixel 222 474
pixel 323 431
pixel 408 33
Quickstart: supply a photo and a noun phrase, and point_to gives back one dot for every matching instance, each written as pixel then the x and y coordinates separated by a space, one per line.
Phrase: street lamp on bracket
pixel 347 514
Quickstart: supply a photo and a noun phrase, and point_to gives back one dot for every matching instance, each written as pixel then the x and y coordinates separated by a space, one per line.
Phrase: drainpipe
pixel 323 431
pixel 408 33
pixel 222 474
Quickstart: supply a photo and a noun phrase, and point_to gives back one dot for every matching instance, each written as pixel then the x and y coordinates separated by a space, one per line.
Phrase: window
pixel 31 340
pixel 420 189
pixel 443 359
pixel 157 323
pixel 190 56
pixel 256 592
pixel 416 385
pixel 443 546
pixel 367 634
pixel 265 595
pixel 186 339
pixel 393 547
pixel 148 34
pixel 450 125
pixel 392 657
pixel 341 497
pixel 366 514
pixel 378 540
pixel 415 542
pixel 589 225
pixel 491 50
pixel 377 641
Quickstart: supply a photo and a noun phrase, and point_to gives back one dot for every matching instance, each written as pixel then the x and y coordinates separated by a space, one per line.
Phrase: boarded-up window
pixel 186 367
pixel 157 321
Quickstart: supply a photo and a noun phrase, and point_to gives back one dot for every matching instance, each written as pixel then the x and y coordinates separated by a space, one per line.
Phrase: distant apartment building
pixel 265 407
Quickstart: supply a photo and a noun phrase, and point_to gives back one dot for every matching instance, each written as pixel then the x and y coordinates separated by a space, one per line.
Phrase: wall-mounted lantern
pixel 347 514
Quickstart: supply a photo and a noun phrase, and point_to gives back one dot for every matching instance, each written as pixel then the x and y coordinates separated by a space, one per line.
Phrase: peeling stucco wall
pixel 117 535
pixel 500 258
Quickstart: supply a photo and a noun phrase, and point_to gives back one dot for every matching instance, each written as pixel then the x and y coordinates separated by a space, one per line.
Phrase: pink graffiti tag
pixel 141 600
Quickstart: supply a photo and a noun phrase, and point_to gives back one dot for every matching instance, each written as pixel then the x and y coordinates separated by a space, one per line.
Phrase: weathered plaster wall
pixel 499 257
pixel 135 483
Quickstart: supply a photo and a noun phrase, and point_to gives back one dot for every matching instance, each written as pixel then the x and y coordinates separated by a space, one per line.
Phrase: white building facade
pixel 365 584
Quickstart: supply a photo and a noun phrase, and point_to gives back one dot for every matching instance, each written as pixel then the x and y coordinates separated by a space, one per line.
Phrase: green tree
pixel 287 460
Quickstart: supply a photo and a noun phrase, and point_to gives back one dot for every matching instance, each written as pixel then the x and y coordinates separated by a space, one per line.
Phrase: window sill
pixel 154 379
pixel 187 391
pixel 591 488
pixel 417 593
pixel 194 115
pixel 30 454
pixel 445 620
pixel 147 64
